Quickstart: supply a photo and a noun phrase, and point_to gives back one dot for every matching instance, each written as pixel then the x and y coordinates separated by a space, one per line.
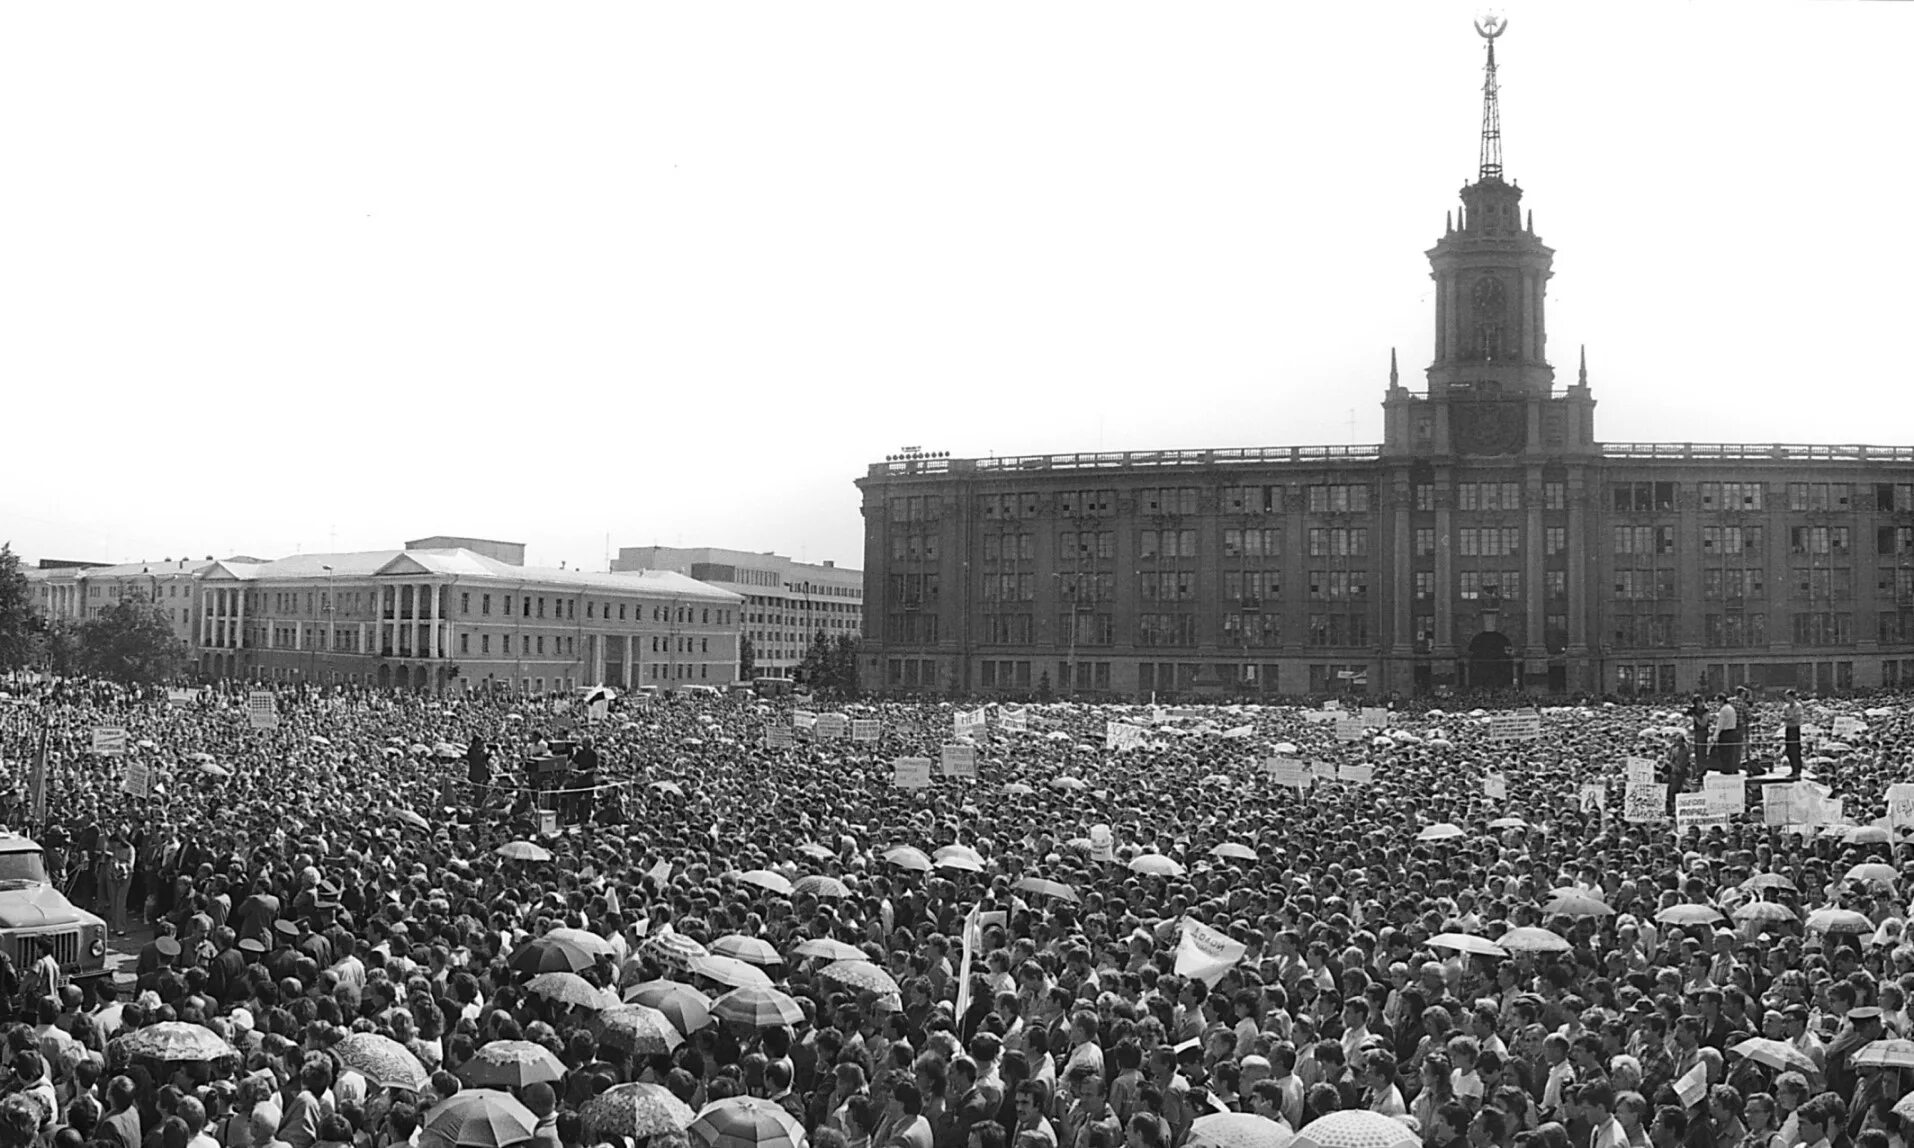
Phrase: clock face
pixel 1488 427
pixel 1488 295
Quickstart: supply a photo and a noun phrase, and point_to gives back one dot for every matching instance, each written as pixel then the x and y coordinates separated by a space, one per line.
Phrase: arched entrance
pixel 1491 661
pixel 385 676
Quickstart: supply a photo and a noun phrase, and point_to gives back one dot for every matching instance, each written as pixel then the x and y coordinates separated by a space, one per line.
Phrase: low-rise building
pixel 787 603
pixel 75 591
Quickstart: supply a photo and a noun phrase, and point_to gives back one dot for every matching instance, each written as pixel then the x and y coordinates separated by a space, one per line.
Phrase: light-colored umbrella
pixel 1689 915
pixel 861 975
pixel 1866 835
pixel 815 851
pixel 1764 911
pixel 759 1006
pixel 1891 1053
pixel 767 880
pixel 211 769
pixel 511 1064
pixel 1073 784
pixel 1776 1054
pixel 638 1029
pixel 1156 865
pixel 1529 939
pixel 752 950
pixel 477 1118
pixel 1574 903
pixel 1355 1128
pixel 175 1040
pixel 1441 831
pixel 818 885
pixel 382 1061
pixel 686 1008
pixel 908 857
pixel 745 1122
pixel 1285 748
pixel 524 851
pixel 670 947
pixel 1761 882
pixel 1839 921
pixel 960 857
pixel 1238 1130
pixel 1467 943
pixel 635 1111
pixel 729 971
pixel 1874 871
pixel 570 989
pixel 1508 823
pixel 1044 887
pixel 1018 788
pixel 671 787
pixel 1233 851
pixel 829 949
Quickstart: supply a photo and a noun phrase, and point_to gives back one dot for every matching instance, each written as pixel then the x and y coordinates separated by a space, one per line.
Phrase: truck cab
pixel 31 908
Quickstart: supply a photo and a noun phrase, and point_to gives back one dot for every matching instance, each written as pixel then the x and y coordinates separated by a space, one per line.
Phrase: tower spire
pixel 1393 378
pixel 1581 377
pixel 1489 27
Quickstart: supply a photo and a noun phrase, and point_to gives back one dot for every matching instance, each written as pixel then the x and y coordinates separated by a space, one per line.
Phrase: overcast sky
pixel 285 277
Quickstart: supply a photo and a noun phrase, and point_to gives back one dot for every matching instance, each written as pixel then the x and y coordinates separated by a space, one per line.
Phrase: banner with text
pixel 1205 953
pixel 960 761
pixel 1644 802
pixel 1515 727
pixel 109 740
pixel 262 710
pixel 865 730
pixel 1122 735
pixel 911 773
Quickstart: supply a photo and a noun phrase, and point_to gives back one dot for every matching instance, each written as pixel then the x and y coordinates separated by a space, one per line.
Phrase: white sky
pixel 329 276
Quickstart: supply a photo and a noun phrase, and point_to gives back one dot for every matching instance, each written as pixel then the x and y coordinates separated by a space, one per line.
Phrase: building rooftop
pixel 462 564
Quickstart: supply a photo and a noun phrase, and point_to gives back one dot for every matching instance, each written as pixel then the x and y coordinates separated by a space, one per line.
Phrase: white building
pixel 786 602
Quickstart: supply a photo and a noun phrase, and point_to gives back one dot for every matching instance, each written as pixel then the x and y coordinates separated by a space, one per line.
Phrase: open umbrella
pixel 759 1006
pixel 524 851
pixel 511 1064
pixel 818 885
pixel 1467 943
pixel 1893 1053
pixel 635 1110
pixel 570 989
pixel 829 949
pixel 1689 915
pixel 384 1062
pixel 1762 882
pixel 1764 911
pixel 670 947
pixel 729 971
pixel 1874 871
pixel 1238 1130
pixel 1508 823
pixel 1043 887
pixel 745 1122
pixel 1073 784
pixel 1776 1054
pixel 686 1008
pixel 907 857
pixel 1529 939
pixel 1232 851
pixel 548 954
pixel 1017 789
pixel 767 880
pixel 752 950
pixel 638 1029
pixel 213 769
pixel 1355 1128
pixel 815 851
pixel 1839 921
pixel 1866 835
pixel 861 975
pixel 477 1118
pixel 411 818
pixel 1441 831
pixel 670 787
pixel 1577 904
pixel 175 1040
pixel 961 857
pixel 1156 865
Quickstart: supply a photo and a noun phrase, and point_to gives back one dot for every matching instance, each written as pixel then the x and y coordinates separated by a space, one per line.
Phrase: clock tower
pixel 1491 389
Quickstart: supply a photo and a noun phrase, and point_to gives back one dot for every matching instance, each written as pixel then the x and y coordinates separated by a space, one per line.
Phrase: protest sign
pixel 1644 803
pixel 599 710
pixel 109 740
pixel 1332 705
pixel 1900 806
pixel 1515 727
pixel 779 737
pixel 1696 811
pixel 139 779
pixel 1358 774
pixel 548 823
pixel 865 730
pixel 1848 726
pixel 1014 721
pixel 1726 793
pixel 1641 771
pixel 1377 716
pixel 1102 843
pixel 1495 786
pixel 181 697
pixel 1594 799
pixel 833 727
pixel 1205 953
pixel 804 719
pixel 969 724
pixel 1348 727
pixel 960 761
pixel 262 710
pixel 1288 771
pixel 1322 771
pixel 1121 735
pixel 911 773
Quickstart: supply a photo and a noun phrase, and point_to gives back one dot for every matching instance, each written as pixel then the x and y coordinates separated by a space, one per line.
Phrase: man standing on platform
pixel 1791 730
pixel 1727 734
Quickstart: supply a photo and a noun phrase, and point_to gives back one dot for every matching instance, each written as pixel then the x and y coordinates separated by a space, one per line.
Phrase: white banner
pixel 1358 774
pixel 1322 771
pixel 1495 786
pixel 1288 771
pixel 181 697
pixel 599 710
pixel 1515 727
pixel 1348 727
pixel 1594 799
pixel 1121 735
pixel 1014 721
pixel 1644 803
pixel 865 730
pixel 109 740
pixel 1641 771
pixel 832 727
pixel 1102 843
pixel 803 719
pixel 967 724
pixel 1900 807
pixel 1377 716
pixel 911 773
pixel 1847 726
pixel 960 761
pixel 139 779
pixel 1205 953
pixel 1727 794
pixel 1695 811
pixel 262 710
pixel 778 737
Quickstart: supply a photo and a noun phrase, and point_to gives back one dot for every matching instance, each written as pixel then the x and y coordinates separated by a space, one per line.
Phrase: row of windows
pixel 1489 541
pixel 1167 628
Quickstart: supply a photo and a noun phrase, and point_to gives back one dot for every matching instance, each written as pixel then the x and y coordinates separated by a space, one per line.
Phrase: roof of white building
pixel 462 565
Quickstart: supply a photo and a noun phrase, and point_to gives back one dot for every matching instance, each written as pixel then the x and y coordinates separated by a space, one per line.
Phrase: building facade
pixel 1491 541
pixel 454 620
pixel 74 591
pixel 787 603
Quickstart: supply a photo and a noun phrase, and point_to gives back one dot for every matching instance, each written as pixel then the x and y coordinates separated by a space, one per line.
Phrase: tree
pixel 18 623
pixel 57 649
pixel 844 666
pixel 132 643
pixel 747 659
pixel 815 669
pixel 830 665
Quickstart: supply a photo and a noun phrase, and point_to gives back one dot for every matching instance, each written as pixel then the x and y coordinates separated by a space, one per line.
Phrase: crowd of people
pixel 366 934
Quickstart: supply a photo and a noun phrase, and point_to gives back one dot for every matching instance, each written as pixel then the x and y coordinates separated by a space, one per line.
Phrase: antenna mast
pixel 1489 27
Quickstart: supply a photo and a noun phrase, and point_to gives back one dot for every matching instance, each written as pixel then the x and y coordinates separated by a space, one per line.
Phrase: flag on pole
pixel 971 928
pixel 37 784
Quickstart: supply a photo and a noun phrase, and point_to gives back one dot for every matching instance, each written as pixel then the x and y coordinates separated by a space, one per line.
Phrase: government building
pixel 1491 541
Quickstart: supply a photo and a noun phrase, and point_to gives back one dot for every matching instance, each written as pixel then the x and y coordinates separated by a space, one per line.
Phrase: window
pixel 1168 585
pixel 1339 541
pixel 1338 630
pixel 1818 540
pixel 1644 539
pixel 1554 495
pixel 1009 547
pixel 505 644
pixel 465 643
pixel 1348 498
pixel 1554 540
pixel 1642 497
pixel 1087 588
pixel 1251 499
pixel 1555 584
pixel 1732 583
pixel 1425 496
pixel 1253 629
pixel 1166 544
pixel 1336 585
pixel 916 508
pixel 1086 545
pixel 1893 497
pixel 1425 585
pixel 1731 496
pixel 1489 584
pixel 1489 496
pixel 1085 628
pixel 1086 503
pixel 1644 631
pixel 1555 632
pixel 1734 631
pixel 1822 628
pixel 1490 541
pixel 1645 584
pixel 1155 629
pixel 1894 540
pixel 485 604
pixel 1813 496
pixel 1167 500
pixel 1263 543
pixel 1425 541
pixel 1252 587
